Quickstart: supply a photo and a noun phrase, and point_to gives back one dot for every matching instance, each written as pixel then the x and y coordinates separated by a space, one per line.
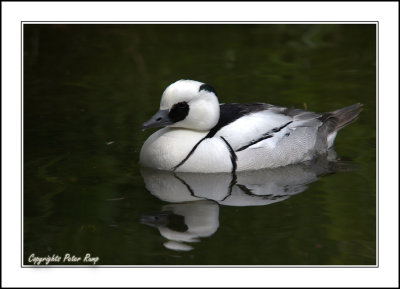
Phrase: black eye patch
pixel 178 111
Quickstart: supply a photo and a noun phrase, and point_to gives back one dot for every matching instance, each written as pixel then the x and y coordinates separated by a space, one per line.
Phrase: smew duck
pixel 201 135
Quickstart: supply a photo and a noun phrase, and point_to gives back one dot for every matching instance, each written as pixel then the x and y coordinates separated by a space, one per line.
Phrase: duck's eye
pixel 178 111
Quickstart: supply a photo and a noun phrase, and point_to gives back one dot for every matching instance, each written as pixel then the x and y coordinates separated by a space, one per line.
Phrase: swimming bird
pixel 202 135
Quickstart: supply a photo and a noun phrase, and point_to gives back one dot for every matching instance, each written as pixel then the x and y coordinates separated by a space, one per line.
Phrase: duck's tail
pixel 338 119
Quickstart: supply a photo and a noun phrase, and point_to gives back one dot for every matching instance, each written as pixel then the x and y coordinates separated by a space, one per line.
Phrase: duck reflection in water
pixel 194 198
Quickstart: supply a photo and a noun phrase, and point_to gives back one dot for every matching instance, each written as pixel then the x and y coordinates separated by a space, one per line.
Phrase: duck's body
pixel 206 137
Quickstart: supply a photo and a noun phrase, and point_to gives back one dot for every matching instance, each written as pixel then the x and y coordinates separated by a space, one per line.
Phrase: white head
pixel 188 104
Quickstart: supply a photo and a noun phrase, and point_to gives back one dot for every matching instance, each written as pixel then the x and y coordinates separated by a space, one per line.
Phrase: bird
pixel 200 135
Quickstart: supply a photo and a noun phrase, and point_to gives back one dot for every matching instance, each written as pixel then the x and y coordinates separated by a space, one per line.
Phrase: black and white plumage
pixel 202 135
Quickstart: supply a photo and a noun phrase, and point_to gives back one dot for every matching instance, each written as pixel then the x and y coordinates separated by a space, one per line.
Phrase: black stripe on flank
pixel 264 136
pixel 189 154
pixel 233 155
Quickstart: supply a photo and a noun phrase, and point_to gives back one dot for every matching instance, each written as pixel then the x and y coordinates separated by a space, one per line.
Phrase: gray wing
pixel 266 123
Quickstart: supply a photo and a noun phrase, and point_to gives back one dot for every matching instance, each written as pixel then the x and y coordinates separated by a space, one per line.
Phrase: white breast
pixel 165 148
pixel 211 156
pixel 168 147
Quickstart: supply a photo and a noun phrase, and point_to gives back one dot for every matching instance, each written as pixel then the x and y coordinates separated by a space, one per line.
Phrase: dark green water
pixel 88 88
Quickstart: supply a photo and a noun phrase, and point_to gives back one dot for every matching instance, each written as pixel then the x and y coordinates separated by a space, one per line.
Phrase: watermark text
pixel 66 258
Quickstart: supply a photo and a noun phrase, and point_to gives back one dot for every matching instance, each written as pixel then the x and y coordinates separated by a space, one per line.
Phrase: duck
pixel 200 135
